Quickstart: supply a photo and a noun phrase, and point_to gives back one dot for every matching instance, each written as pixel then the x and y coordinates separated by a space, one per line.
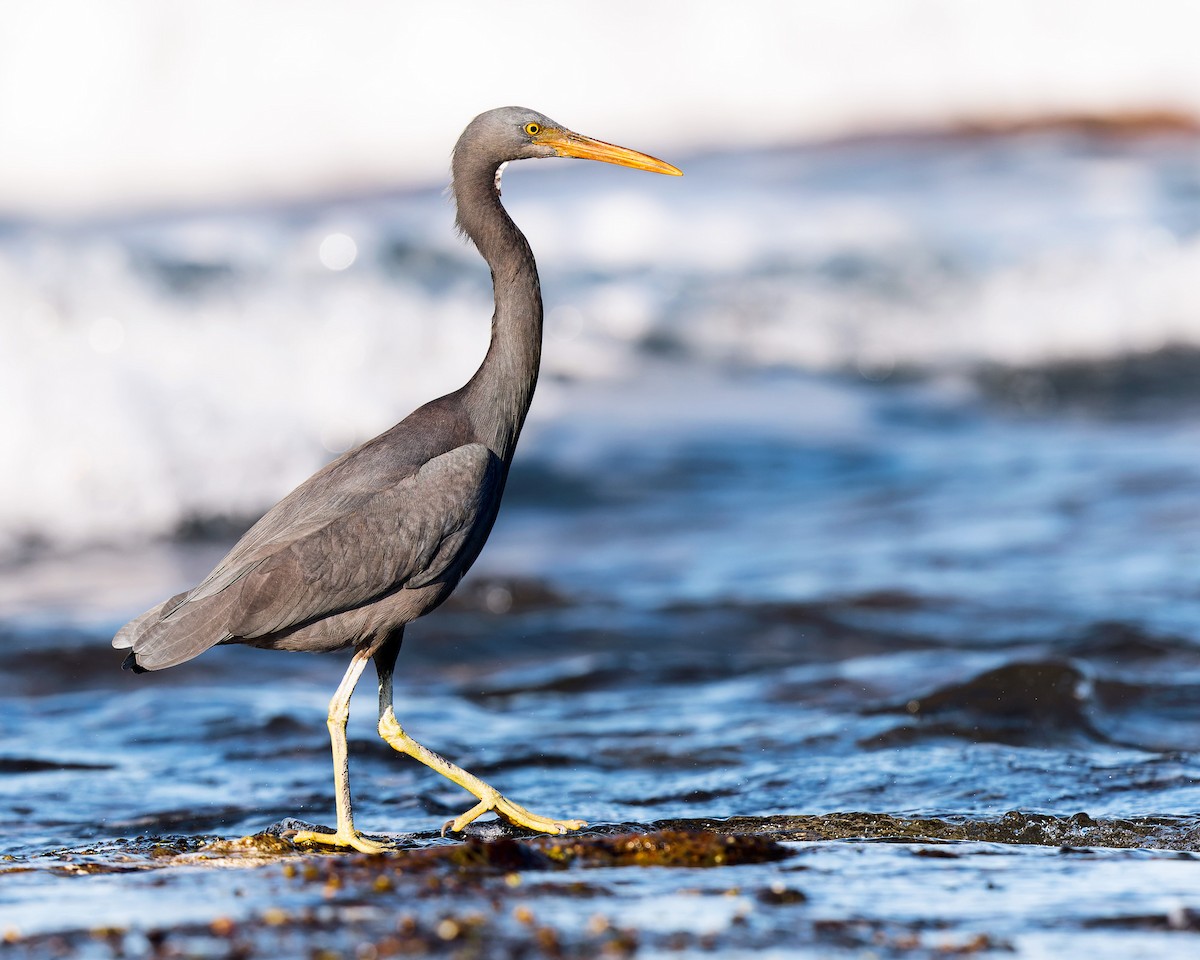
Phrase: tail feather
pixel 127 636
pixel 174 631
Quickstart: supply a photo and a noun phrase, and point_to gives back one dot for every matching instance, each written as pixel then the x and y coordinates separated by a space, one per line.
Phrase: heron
pixel 383 534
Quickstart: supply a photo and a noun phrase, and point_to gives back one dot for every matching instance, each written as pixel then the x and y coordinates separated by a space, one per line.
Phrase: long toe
pixel 515 814
pixel 353 840
pixel 489 797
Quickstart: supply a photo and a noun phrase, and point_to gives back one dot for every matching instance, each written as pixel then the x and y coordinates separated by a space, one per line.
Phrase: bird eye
pixel 533 129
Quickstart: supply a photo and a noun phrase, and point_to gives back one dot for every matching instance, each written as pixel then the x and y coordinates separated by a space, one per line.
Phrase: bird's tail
pixel 172 632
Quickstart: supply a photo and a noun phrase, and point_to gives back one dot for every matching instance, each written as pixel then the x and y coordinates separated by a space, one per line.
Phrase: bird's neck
pixel 499 394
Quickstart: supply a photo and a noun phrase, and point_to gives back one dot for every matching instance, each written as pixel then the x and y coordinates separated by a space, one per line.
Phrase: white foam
pixel 151 371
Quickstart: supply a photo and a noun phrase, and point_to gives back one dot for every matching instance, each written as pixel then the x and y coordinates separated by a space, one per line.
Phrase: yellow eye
pixel 533 129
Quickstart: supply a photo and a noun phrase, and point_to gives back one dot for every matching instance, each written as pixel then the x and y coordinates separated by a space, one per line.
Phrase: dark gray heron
pixel 384 533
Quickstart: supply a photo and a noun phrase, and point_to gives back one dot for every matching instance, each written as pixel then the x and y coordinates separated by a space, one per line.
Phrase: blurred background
pixel 142 105
pixel 225 253
pixel 920 323
pixel 864 471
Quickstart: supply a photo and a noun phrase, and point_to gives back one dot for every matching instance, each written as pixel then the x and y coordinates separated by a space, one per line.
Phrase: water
pixel 861 478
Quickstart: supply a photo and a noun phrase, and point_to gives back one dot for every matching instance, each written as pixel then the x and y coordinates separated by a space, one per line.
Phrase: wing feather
pixel 314 556
pixel 409 535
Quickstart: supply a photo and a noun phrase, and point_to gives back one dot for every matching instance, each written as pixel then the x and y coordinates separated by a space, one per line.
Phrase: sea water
pixel 860 477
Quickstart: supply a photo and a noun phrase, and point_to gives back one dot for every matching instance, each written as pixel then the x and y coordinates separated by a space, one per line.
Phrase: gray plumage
pixel 384 533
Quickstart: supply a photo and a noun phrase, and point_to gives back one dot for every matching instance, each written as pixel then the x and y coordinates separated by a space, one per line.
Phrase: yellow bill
pixel 568 144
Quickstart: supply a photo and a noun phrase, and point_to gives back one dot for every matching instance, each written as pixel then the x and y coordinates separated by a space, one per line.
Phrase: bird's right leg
pixel 339 713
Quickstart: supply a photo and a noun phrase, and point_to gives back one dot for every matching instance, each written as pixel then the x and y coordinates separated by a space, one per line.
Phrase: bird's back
pixel 405 513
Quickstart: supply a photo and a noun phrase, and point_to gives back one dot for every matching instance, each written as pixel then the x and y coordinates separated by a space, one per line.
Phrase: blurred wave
pixel 160 374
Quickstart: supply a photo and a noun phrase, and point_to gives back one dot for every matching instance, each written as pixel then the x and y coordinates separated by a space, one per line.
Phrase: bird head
pixel 517 133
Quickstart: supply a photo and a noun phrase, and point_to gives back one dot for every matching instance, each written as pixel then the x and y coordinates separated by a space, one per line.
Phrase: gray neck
pixel 498 395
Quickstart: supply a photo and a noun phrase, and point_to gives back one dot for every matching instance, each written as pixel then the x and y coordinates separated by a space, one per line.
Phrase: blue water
pixel 863 477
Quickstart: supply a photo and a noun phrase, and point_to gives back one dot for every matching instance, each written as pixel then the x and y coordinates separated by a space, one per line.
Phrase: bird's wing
pixel 333 555
pixel 409 535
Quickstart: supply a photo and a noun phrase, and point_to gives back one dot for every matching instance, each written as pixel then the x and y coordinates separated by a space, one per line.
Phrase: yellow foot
pixel 489 796
pixel 512 812
pixel 351 838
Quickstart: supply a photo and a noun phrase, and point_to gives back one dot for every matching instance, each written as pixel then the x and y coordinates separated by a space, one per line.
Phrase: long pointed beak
pixel 568 144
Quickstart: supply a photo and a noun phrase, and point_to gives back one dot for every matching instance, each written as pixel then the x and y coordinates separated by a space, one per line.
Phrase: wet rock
pixel 779 894
pixel 665 848
pixel 1018 703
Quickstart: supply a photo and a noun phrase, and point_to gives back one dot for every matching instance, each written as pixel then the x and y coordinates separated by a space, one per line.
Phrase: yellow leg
pixel 489 797
pixel 339 713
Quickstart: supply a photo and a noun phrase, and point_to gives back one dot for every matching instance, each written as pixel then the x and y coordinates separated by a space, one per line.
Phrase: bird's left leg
pixel 339 713
pixel 489 797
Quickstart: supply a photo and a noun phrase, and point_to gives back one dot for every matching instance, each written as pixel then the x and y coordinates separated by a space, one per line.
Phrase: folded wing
pixel 316 555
